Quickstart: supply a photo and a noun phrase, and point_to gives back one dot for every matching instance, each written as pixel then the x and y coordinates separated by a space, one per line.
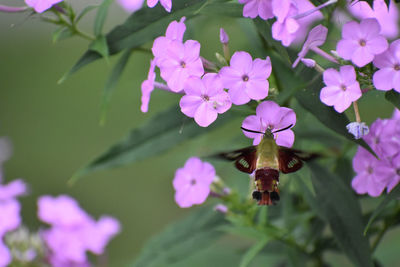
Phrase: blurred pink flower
pixel 73 231
pixel 361 42
pixel 130 6
pixel 384 137
pixel 387 18
pixel 180 62
pixel 371 173
pixel 204 99
pixel 167 4
pixel 192 182
pixel 5 255
pixel 254 8
pixel 148 87
pixel 341 88
pixel 246 79
pixel 388 75
pixel 41 5
pixel 270 115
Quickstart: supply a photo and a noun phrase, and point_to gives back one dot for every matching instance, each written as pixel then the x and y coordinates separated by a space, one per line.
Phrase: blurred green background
pixel 55 130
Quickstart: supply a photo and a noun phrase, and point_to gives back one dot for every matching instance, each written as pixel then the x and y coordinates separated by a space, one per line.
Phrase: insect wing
pixel 245 158
pixel 289 161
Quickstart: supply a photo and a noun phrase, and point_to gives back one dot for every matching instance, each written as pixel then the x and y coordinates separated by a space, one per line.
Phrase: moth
pixel 267 159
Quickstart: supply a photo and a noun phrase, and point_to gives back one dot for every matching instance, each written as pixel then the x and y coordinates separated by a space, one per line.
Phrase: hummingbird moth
pixel 267 159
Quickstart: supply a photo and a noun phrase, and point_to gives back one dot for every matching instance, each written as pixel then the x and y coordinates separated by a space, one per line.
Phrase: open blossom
pixel 192 182
pixel 387 17
pixel 167 4
pixel 254 8
pixel 73 231
pixel 181 61
pixel 270 115
pixel 204 99
pixel 388 75
pixel 130 5
pixel 246 79
pixel 361 42
pixel 341 88
pixel 41 5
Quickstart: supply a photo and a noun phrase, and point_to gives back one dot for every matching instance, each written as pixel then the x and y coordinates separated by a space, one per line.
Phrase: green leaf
pixel 394 194
pixel 100 46
pixel 101 16
pixel 112 83
pixel 340 208
pixel 253 251
pixel 61 33
pixel 148 23
pixel 84 12
pixel 182 239
pixel 160 133
pixel 393 97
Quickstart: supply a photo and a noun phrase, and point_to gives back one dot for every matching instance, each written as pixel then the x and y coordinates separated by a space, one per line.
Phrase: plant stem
pixel 355 106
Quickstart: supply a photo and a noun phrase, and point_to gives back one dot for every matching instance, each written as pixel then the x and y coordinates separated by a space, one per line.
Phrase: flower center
pixel 192 182
pixel 370 170
pixel 343 87
pixel 205 97
pixel 245 78
pixel 397 67
pixel 362 42
pixel 183 64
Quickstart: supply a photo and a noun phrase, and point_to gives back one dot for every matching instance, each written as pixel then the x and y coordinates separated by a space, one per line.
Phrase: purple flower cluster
pixel 374 175
pixel 73 231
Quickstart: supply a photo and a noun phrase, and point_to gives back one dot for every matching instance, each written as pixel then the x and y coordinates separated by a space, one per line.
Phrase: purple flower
pixel 73 231
pixel 316 37
pixel 372 173
pixel 384 137
pixel 130 6
pixel 204 99
pixel 387 17
pixel 388 75
pixel 395 177
pixel 41 5
pixel 5 255
pixel 167 4
pixel 180 62
pixel 192 182
pixel 361 42
pixel 341 88
pixel 254 8
pixel 246 79
pixel 223 36
pixel 270 115
pixel 148 87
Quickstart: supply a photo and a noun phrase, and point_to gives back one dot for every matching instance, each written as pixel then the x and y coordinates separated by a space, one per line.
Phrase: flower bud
pixel 223 36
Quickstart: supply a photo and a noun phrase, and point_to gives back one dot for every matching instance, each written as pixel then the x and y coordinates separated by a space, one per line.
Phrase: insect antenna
pixel 280 130
pixel 251 131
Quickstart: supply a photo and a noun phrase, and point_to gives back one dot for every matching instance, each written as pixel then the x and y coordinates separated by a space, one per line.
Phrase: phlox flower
pixel 73 231
pixel 204 99
pixel 270 115
pixel 341 88
pixel 180 62
pixel 388 75
pixel 167 4
pixel 41 5
pixel 254 8
pixel 192 182
pixel 361 42
pixel 387 17
pixel 395 177
pixel 246 79
pixel 130 6
pixel 148 87
pixel 371 174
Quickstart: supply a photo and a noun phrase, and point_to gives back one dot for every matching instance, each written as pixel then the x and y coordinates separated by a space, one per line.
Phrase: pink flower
pixel 246 79
pixel 5 255
pixel 271 116
pixel 223 36
pixel 388 75
pixel 361 42
pixel 316 37
pixel 192 182
pixel 341 88
pixel 395 177
pixel 41 5
pixel 371 173
pixel 254 8
pixel 387 18
pixel 180 62
pixel 130 6
pixel 148 87
pixel 73 231
pixel 204 99
pixel 167 4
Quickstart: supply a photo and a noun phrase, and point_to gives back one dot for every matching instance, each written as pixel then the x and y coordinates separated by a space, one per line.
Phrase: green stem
pixel 81 33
